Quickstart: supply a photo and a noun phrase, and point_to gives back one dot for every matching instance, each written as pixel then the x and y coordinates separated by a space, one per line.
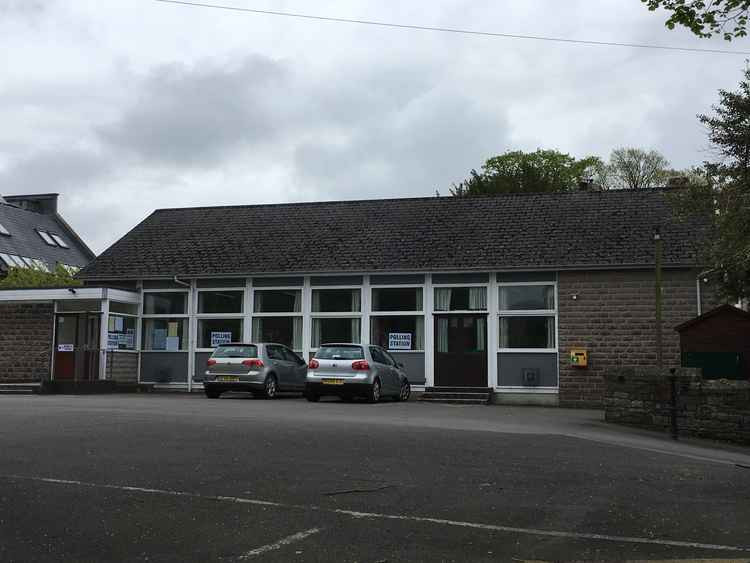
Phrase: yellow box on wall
pixel 579 357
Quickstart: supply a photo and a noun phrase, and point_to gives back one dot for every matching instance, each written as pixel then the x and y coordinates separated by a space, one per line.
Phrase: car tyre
pixel 212 393
pixel 405 392
pixel 270 387
pixel 373 396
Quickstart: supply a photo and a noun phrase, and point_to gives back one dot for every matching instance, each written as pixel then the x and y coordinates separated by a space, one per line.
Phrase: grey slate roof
pixel 25 241
pixel 511 231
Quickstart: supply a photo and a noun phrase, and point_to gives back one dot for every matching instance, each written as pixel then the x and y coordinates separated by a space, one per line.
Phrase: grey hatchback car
pixel 263 368
pixel 349 370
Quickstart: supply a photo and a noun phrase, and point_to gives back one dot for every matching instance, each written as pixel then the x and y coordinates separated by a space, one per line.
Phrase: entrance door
pixel 461 350
pixel 66 346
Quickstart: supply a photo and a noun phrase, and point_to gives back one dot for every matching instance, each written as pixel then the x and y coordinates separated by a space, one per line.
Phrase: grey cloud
pixel 195 115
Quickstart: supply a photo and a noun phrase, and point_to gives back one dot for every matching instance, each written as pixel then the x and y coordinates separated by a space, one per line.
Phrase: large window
pixel 277 317
pixel 121 332
pixel 215 332
pixel 461 299
pixel 329 330
pixel 527 317
pixel 220 302
pixel 390 326
pixel 336 301
pixel 219 317
pixel 170 335
pixel 166 303
pixel 333 321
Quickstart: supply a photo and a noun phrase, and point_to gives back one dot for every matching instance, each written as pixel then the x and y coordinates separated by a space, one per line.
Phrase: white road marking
pixel 382 516
pixel 299 536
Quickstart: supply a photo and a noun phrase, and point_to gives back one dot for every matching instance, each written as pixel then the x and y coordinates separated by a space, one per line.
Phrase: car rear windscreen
pixel 340 353
pixel 235 352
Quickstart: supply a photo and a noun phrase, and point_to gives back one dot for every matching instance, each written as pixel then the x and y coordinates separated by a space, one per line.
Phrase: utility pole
pixel 657 253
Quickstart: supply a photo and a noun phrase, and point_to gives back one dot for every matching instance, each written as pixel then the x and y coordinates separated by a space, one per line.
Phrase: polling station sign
pixel 399 340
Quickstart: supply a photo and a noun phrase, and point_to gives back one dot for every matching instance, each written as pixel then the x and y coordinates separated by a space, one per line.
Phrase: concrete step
pixel 19 388
pixel 453 395
pixel 441 400
pixel 454 389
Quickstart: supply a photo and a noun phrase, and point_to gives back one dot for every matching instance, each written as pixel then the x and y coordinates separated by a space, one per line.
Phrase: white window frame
pixel 417 313
pixel 218 316
pixel 186 315
pixel 136 336
pixel 284 314
pixel 364 339
pixel 484 311
pixel 553 313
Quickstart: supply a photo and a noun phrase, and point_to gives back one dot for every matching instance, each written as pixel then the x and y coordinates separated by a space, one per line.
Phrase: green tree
pixel 27 278
pixel 518 171
pixel 706 18
pixel 634 169
pixel 725 194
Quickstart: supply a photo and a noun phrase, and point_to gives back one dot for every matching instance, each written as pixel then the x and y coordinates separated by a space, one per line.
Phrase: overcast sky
pixel 127 106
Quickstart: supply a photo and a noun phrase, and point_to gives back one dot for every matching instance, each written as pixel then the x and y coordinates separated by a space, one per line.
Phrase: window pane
pixel 121 333
pixel 165 334
pixel 215 332
pixel 460 298
pixel 220 301
pixel 235 352
pixel 334 330
pixel 115 307
pixel 336 300
pixel 340 352
pixel 398 333
pixel 164 303
pixel 527 297
pixel 282 330
pixel 397 299
pixel 527 332
pixel 278 301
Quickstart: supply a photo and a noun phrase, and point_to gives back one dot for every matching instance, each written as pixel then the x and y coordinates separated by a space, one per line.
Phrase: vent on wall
pixel 530 377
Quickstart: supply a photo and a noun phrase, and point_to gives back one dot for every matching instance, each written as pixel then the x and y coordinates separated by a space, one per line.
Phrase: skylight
pixel 46 238
pixel 4 231
pixel 13 261
pixel 58 240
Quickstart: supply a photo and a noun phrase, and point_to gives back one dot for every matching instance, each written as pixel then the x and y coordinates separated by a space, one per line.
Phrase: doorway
pixel 461 350
pixel 76 346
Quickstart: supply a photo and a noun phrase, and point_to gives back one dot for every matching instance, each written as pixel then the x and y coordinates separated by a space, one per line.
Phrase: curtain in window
pixel 503 299
pixel 549 297
pixel 297 333
pixel 316 333
pixel 298 305
pixel 418 343
pixel 504 332
pixel 477 298
pixel 356 297
pixel 316 300
pixel 442 335
pixel 355 329
pixel 443 298
pixel 256 332
pixel 481 332
pixel 550 332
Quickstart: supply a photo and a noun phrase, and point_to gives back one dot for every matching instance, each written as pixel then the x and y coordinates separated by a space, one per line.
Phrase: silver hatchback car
pixel 349 370
pixel 263 368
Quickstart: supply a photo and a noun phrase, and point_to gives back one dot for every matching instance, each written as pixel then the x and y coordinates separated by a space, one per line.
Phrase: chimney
pixel 46 204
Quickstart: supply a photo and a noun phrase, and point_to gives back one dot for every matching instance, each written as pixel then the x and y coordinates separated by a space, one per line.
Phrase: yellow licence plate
pixel 333 382
pixel 227 378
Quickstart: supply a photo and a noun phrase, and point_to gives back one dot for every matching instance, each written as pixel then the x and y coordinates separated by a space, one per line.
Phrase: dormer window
pixel 46 238
pixel 58 239
pixel 4 231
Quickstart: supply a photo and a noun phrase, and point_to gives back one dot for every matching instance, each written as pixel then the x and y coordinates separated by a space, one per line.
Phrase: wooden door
pixel 461 350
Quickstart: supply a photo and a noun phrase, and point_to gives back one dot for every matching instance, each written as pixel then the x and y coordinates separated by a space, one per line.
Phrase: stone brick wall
pixel 122 366
pixel 25 341
pixel 719 410
pixel 612 316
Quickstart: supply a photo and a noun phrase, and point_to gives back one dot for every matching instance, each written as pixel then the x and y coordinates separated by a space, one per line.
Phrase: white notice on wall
pixel 65 348
pixel 399 340
pixel 173 343
pixel 219 338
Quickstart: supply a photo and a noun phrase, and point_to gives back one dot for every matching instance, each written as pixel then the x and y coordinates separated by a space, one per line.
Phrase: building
pixel 34 235
pixel 494 291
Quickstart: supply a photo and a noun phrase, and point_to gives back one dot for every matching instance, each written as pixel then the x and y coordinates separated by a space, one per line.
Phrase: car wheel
pixel 212 393
pixel 271 387
pixel 374 394
pixel 405 392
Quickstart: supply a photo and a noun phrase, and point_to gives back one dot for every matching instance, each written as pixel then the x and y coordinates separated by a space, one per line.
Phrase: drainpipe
pixel 698 289
pixel 180 281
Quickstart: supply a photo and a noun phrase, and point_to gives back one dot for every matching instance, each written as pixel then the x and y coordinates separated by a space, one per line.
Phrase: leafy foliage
pixel 28 278
pixel 634 169
pixel 725 194
pixel 706 18
pixel 518 171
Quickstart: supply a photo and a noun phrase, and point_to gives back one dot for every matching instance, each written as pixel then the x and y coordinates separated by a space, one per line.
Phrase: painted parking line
pixel 294 538
pixel 382 516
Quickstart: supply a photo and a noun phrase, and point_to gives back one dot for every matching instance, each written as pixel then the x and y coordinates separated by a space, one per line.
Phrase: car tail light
pixel 253 363
pixel 360 365
pixel 211 362
pixel 314 364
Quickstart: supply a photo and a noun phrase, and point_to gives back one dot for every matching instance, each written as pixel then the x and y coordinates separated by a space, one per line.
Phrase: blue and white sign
pixel 219 338
pixel 399 340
